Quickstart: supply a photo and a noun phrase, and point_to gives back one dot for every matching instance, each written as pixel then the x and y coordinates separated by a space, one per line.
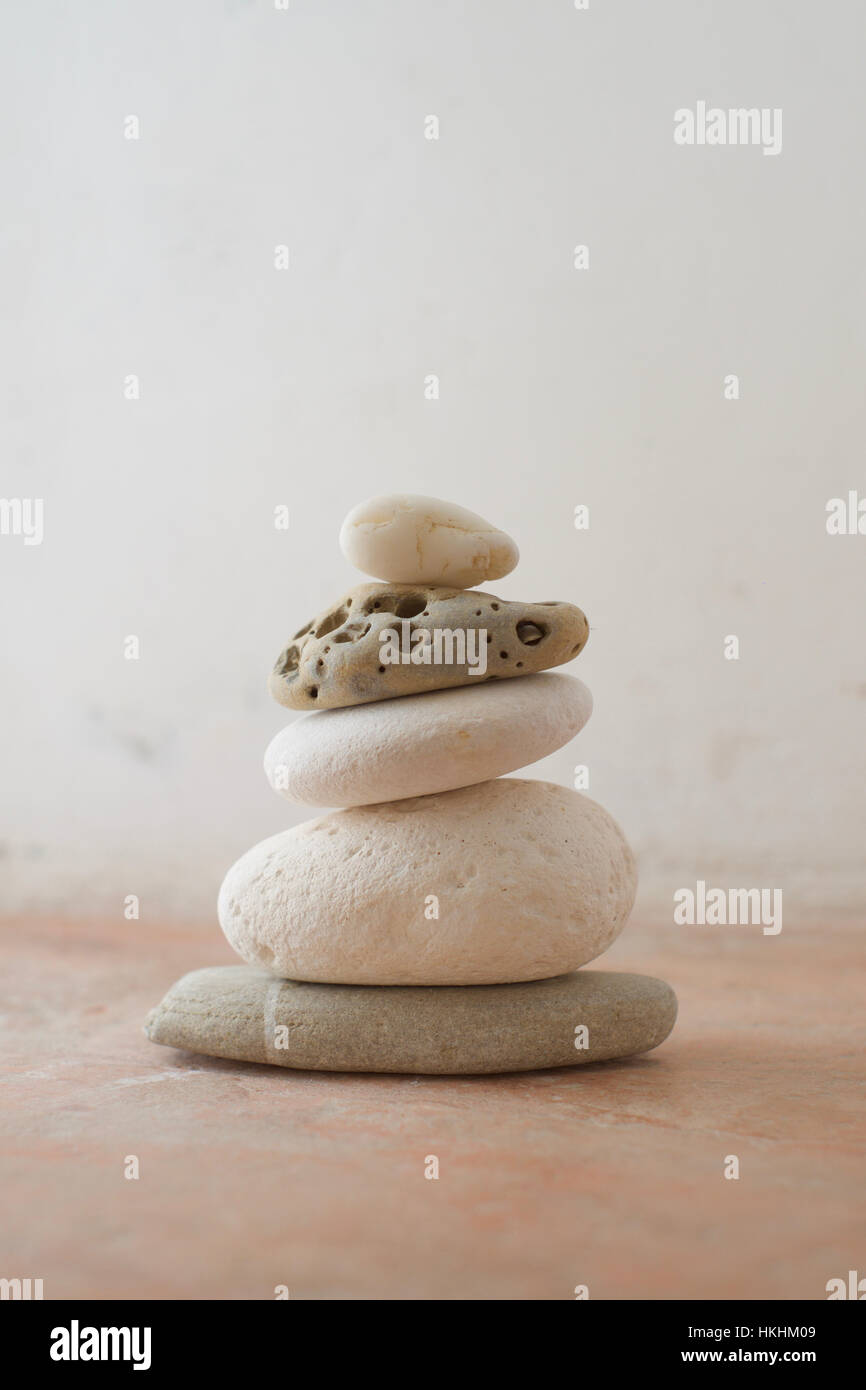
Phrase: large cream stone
pixel 339 658
pixel 507 880
pixel 425 743
pixel 421 540
pixel 246 1014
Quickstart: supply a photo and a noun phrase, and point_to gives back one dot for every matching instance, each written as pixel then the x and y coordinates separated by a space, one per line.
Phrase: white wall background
pixel 259 387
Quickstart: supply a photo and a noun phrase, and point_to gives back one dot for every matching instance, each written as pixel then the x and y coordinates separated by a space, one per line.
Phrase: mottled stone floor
pixel 611 1176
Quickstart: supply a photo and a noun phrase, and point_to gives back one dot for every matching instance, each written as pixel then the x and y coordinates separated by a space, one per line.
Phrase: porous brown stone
pixel 336 659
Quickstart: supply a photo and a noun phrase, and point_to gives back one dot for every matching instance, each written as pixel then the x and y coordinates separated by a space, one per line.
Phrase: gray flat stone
pixel 249 1015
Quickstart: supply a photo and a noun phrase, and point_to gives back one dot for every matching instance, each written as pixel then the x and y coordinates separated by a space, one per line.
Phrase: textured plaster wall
pixel 408 257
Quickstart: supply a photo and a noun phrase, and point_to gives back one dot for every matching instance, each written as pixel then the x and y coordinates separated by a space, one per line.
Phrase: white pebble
pixel 406 540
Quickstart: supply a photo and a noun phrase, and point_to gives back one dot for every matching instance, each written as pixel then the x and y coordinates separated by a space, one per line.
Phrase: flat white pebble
pixel 426 743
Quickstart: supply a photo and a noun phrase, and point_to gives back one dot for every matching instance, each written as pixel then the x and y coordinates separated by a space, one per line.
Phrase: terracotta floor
pixel 612 1176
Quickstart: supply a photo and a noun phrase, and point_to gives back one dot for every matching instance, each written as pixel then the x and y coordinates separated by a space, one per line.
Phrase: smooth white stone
pixel 425 743
pixel 407 539
pixel 504 881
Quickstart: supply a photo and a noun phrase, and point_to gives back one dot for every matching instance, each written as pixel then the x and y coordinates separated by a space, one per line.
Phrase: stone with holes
pixel 439 638
pixel 425 743
pixel 421 540
pixel 244 1013
pixel 506 880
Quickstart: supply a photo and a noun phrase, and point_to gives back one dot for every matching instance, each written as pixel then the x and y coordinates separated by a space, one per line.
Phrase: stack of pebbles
pixel 438 922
